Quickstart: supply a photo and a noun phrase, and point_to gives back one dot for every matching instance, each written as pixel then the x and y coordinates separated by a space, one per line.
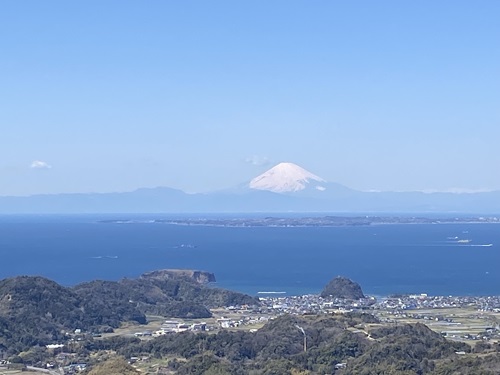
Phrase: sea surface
pixel 384 259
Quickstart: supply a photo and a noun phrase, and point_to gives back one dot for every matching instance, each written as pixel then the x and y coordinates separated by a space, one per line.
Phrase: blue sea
pixel 384 259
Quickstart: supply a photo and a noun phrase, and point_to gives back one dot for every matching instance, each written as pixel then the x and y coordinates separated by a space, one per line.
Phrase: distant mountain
pixel 286 178
pixel 293 180
pixel 286 187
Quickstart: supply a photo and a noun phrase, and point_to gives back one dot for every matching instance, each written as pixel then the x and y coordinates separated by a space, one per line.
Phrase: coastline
pixel 309 221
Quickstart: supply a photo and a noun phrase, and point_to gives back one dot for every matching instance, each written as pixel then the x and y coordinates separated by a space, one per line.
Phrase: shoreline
pixel 309 222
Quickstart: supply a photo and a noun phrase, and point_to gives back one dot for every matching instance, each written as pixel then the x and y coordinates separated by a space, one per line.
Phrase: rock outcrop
pixel 342 287
pixel 201 277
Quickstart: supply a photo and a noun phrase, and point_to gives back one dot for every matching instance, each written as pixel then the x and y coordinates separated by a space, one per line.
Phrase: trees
pixel 113 366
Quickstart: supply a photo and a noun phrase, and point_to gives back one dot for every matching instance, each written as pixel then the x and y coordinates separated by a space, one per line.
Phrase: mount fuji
pixel 285 187
pixel 286 178
pixel 293 180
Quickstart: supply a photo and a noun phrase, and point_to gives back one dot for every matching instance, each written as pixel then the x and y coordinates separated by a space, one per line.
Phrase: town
pixel 463 318
pixel 460 318
pixel 468 319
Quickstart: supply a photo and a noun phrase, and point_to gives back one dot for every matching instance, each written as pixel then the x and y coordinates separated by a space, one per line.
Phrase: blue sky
pixel 200 95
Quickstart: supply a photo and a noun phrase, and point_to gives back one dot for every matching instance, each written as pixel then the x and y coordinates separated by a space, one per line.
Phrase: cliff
pixel 201 277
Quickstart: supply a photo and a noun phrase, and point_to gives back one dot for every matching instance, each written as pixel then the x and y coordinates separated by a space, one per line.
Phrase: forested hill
pixel 38 311
pixel 334 346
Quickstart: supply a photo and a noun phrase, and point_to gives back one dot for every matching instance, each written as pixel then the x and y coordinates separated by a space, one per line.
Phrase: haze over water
pixel 383 259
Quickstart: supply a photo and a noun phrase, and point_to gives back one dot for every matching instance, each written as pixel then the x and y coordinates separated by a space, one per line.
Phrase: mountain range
pixel 286 187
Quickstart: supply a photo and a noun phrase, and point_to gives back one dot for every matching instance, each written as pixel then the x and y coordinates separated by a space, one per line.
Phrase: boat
pixel 464 241
pixel 185 246
pixel 188 246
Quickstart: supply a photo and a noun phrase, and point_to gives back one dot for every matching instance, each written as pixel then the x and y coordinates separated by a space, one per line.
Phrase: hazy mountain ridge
pixel 284 188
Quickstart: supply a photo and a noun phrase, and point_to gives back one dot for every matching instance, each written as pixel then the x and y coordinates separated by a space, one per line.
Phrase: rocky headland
pixel 201 277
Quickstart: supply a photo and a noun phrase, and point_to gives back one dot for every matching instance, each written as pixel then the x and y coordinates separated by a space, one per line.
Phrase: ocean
pixel 383 259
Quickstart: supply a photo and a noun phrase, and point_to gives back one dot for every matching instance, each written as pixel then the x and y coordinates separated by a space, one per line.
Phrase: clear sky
pixel 100 96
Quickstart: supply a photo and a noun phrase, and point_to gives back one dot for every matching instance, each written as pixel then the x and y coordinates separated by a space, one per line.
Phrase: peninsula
pixel 308 221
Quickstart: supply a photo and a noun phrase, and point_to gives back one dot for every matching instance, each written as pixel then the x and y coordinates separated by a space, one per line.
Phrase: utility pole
pixel 305 337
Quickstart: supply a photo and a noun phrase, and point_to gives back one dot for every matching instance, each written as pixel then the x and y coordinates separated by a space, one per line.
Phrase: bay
pixel 384 259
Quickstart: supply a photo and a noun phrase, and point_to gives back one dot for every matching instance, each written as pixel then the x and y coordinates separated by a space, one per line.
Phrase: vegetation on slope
pixel 342 287
pixel 278 348
pixel 113 366
pixel 38 311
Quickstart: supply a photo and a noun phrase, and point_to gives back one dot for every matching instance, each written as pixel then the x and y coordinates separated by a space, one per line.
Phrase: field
pixel 463 324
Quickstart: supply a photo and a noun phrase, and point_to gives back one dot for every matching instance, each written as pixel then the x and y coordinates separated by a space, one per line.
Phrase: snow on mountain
pixel 287 178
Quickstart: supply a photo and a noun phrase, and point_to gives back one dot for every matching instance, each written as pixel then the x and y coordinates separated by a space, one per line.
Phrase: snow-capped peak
pixel 285 178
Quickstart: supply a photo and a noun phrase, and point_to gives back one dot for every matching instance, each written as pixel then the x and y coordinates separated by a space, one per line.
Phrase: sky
pixel 101 96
